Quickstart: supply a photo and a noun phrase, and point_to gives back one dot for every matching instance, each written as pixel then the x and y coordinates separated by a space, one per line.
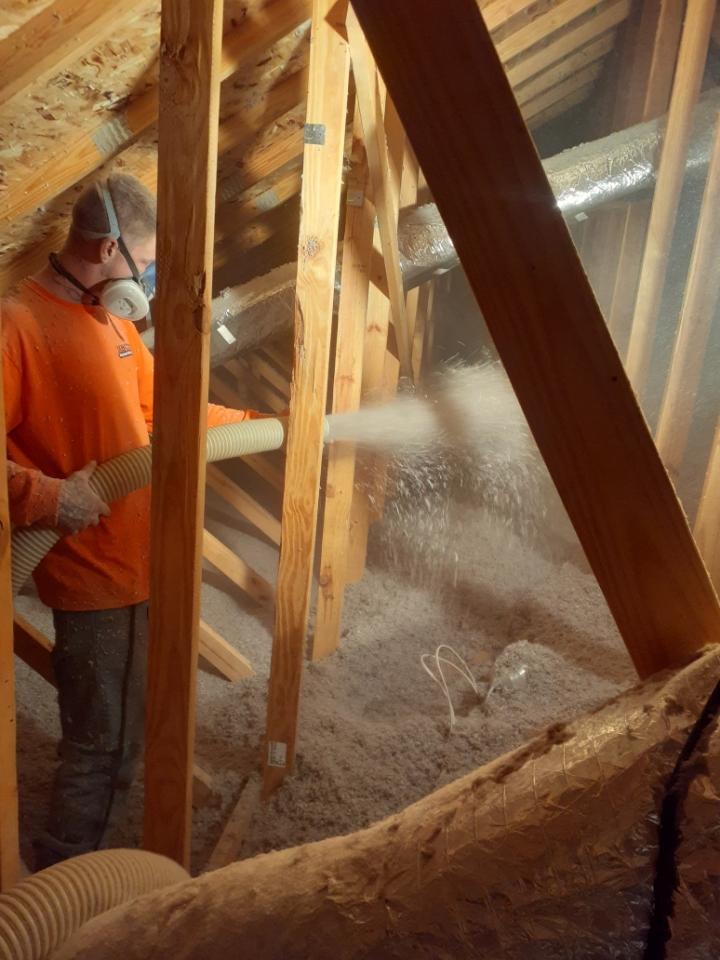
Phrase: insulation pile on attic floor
pixel 374 731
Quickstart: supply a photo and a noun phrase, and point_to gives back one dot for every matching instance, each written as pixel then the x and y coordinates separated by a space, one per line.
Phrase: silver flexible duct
pixel 582 178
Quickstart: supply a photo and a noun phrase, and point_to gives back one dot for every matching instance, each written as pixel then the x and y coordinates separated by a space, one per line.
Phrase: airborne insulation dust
pixel 474 551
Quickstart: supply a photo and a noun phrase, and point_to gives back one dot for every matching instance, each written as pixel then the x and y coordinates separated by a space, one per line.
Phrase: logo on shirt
pixel 124 350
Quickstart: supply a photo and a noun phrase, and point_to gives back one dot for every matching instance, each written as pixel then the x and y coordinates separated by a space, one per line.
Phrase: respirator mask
pixel 127 297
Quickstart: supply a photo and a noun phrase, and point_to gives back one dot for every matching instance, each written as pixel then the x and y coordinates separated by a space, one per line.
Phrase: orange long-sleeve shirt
pixel 78 387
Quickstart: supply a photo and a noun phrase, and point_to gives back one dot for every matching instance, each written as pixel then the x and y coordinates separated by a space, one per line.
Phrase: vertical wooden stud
pixel 385 185
pixel 347 385
pixel 696 316
pixel 686 87
pixel 653 46
pixel 317 254
pixel 187 170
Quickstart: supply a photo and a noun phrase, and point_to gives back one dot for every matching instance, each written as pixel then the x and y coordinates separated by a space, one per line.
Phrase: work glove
pixel 78 504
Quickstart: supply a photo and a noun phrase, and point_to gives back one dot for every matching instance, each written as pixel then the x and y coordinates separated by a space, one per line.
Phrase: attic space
pixel 360 541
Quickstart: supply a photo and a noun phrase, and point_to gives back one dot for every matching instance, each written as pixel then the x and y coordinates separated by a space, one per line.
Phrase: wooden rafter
pixel 80 154
pixel 54 38
pixel 558 93
pixel 241 501
pixel 558 17
pixel 215 649
pixel 567 41
pixel 560 107
pixel 559 72
pixel 547 327
pixel 237 570
pixel 187 174
pixel 317 252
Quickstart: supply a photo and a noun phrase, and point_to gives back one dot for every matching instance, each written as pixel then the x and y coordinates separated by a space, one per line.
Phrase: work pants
pixel 100 660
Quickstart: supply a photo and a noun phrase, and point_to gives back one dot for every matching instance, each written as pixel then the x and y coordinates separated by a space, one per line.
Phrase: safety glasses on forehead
pixel 124 297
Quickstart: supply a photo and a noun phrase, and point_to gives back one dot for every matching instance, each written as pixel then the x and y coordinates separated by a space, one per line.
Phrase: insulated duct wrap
pixel 130 471
pixel 625 163
pixel 550 851
pixel 41 912
pixel 584 177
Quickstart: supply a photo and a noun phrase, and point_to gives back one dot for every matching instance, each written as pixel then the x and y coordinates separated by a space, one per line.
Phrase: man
pixel 78 390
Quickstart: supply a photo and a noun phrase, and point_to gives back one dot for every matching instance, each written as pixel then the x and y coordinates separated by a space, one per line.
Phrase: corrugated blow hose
pixel 43 911
pixel 130 471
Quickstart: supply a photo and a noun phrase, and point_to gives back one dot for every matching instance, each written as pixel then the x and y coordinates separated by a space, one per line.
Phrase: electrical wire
pixel 460 665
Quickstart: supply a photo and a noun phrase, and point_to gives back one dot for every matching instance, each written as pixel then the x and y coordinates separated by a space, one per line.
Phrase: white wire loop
pixel 437 673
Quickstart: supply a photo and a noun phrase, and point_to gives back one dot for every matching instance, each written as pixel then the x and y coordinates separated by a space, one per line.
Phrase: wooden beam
pixel 190 44
pixel 423 329
pixel 380 374
pixel 265 469
pixel 385 195
pixel 223 656
pixel 369 493
pixel 707 523
pixel 256 117
pixel 498 12
pixel 33 648
pixel 559 15
pixel 266 371
pixel 375 345
pixel 557 94
pixel 280 354
pixel 54 38
pixel 549 332
pixel 237 570
pixel 346 393
pixel 604 229
pixel 235 831
pixel 686 87
pixel 567 68
pixel 652 46
pixel 276 146
pixel 261 390
pixel 567 42
pixel 9 843
pixel 245 505
pixel 263 196
pixel 78 154
pixel 696 317
pixel 560 107
pixel 317 253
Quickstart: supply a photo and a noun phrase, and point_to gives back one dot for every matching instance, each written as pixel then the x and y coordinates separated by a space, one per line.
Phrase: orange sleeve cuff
pixel 218 416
